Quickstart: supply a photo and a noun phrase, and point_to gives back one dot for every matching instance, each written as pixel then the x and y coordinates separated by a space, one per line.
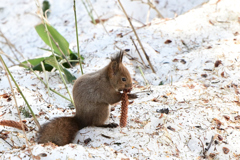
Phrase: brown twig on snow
pixel 9 58
pixel 14 124
pixel 3 138
pixel 145 25
pixel 202 144
pixel 205 151
pixel 137 50
pixel 11 46
pixel 98 18
pixel 19 114
pixel 147 57
pixel 154 7
pixel 134 59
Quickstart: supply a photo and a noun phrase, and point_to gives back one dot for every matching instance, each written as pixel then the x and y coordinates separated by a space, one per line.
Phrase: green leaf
pixel 70 78
pixel 50 60
pixel 39 67
pixel 74 56
pixel 161 83
pixel 36 64
pixel 58 38
pixel 67 75
pixel 33 62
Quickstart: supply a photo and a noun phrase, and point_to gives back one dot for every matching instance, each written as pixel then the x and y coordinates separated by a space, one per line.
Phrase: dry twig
pixel 20 118
pixel 151 5
pixel 137 51
pixel 147 57
pixel 60 50
pixel 205 151
pixel 11 45
pixel 8 57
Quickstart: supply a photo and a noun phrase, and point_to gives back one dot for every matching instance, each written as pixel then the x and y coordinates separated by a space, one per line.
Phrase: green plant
pixel 65 57
pixel 76 27
pixel 8 74
pixel 46 6
pixel 89 10
pixel 25 111
pixel 20 91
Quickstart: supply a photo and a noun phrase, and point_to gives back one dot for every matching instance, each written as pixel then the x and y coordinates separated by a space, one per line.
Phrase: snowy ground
pixel 203 97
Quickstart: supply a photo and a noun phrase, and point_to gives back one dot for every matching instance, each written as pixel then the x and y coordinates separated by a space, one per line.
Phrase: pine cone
pixel 124 109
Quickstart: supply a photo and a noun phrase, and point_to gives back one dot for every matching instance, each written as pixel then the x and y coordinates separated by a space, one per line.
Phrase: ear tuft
pixel 118 57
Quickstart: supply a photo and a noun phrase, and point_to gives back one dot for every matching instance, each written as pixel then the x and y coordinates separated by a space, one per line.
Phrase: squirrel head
pixel 119 75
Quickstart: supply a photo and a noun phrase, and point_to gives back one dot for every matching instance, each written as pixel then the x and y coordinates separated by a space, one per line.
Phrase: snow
pixel 197 93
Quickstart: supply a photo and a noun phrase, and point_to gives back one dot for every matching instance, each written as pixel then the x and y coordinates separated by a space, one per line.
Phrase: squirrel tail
pixel 61 130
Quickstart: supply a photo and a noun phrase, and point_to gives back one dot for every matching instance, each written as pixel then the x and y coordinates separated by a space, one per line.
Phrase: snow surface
pixel 197 93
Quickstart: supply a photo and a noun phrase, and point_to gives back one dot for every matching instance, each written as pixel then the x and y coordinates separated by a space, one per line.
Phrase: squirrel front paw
pixel 132 96
pixel 112 125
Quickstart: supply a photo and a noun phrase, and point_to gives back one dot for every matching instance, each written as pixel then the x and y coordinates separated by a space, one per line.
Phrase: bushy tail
pixel 60 131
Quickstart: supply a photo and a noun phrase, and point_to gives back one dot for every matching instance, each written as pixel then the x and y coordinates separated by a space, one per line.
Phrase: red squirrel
pixel 92 95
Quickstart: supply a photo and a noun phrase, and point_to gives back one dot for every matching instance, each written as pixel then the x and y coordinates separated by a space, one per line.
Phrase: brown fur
pixel 55 130
pixel 92 94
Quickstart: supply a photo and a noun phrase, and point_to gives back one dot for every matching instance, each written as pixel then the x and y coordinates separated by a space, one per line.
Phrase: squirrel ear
pixel 115 67
pixel 118 57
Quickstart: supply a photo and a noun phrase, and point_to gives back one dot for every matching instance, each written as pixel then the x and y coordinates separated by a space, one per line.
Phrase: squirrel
pixel 92 95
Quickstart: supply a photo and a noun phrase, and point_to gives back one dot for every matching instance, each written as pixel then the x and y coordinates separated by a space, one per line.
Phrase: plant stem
pixel 11 45
pixel 46 78
pixel 50 87
pixel 143 75
pixel 98 17
pixel 48 35
pixel 58 66
pixel 38 77
pixel 154 7
pixel 75 15
pixel 137 50
pixel 90 14
pixel 14 97
pixel 147 57
pixel 60 50
pixel 9 58
pixel 19 90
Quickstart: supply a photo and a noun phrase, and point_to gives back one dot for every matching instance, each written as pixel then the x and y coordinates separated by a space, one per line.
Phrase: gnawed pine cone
pixel 124 109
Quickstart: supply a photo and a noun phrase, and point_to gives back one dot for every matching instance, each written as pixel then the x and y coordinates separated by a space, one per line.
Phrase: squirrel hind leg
pixel 100 116
pixel 60 131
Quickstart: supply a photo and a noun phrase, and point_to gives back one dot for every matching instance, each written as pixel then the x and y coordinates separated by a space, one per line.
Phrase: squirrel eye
pixel 123 79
